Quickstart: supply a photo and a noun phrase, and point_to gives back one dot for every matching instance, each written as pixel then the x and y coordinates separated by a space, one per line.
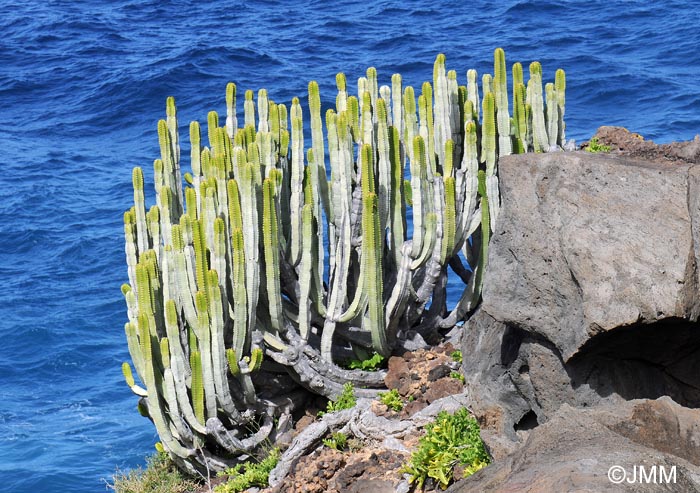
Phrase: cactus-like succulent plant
pixel 250 283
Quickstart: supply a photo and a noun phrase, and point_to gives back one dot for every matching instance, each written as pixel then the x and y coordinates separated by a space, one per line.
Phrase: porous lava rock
pixel 641 446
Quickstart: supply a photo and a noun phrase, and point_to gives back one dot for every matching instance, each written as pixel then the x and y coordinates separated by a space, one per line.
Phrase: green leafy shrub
pixel 159 476
pixel 337 441
pixel 392 400
pixel 373 363
pixel 457 356
pixel 452 439
pixel 346 400
pixel 594 146
pixel 249 474
pixel 457 375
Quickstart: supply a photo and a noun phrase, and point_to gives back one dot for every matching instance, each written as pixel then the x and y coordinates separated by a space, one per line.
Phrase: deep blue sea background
pixel 83 83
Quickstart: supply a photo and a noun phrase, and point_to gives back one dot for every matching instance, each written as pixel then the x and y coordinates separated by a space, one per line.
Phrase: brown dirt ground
pixel 420 377
pixel 624 142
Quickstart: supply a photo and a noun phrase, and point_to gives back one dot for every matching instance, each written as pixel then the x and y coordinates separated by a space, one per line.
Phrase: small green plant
pixel 337 441
pixel 373 363
pixel 452 439
pixel 345 400
pixel 159 476
pixel 594 146
pixel 392 400
pixel 457 356
pixel 249 474
pixel 457 375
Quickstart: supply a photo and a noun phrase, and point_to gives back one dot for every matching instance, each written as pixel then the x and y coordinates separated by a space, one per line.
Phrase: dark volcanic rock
pixel 576 448
pixel 591 293
pixel 438 372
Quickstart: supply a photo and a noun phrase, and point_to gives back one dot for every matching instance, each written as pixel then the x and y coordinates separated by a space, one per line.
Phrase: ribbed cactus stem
pixel 427 94
pixel 142 240
pixel 520 118
pixel 231 120
pixel 153 222
pixel 316 163
pixel 297 178
pixel 129 377
pixel 305 270
pixel 217 320
pixel 383 163
pixel 249 109
pixel 155 409
pixel 171 119
pixel 240 312
pixel 130 245
pixel 171 113
pixel 263 108
pixel 396 103
pixel 361 297
pixel 166 155
pixel 341 99
pixel 271 249
pixel 473 91
pixel 354 118
pixel 372 250
pixel 232 359
pixel 318 148
pixel 397 207
pixel 311 197
pixel 249 208
pixel 488 136
pixel 443 127
pixel 540 141
pixel 418 177
pixel 410 121
pixel 449 221
pixel 274 122
pixel 256 358
pixel 220 251
pixel 212 126
pixel 448 166
pixel 373 89
pixel 560 86
pixel 197 386
pixel 204 338
pixel 501 98
pixel 486 84
pixel 455 119
pixel 552 115
pixel 367 120
pixel 200 252
pixel 517 71
pixel 165 352
pixel 467 183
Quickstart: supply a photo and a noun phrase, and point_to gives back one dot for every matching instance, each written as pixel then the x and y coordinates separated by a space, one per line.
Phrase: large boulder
pixel 640 446
pixel 591 291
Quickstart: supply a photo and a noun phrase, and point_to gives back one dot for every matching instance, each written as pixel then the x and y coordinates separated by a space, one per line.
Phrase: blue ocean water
pixel 83 83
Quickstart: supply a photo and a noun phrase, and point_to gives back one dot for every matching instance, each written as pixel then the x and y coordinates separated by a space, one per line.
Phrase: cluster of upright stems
pixel 254 276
